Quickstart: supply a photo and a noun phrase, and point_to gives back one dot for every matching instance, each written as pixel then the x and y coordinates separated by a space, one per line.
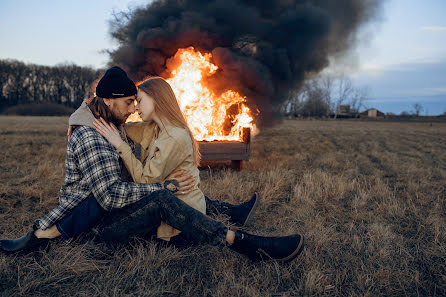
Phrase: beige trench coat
pixel 162 152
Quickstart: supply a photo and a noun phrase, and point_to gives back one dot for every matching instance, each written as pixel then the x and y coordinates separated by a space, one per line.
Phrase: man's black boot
pixel 243 214
pixel 283 248
pixel 27 243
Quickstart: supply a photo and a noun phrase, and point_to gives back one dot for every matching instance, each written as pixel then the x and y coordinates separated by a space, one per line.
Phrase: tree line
pixel 66 84
pixel 326 96
pixel 69 84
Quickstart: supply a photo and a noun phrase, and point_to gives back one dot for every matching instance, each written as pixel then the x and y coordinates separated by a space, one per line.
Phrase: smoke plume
pixel 264 49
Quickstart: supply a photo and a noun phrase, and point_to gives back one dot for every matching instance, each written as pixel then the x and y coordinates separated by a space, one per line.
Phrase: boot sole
pixel 250 216
pixel 296 252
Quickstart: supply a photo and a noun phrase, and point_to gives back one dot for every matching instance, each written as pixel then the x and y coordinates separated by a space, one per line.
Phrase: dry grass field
pixel 369 196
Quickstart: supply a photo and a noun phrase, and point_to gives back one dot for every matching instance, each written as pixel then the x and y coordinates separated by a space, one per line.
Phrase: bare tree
pixel 324 95
pixel 344 92
pixel 358 97
pixel 293 104
pixel 339 90
pixel 417 109
pixel 317 99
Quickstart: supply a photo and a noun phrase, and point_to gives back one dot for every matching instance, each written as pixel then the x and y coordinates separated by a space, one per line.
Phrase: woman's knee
pixel 157 196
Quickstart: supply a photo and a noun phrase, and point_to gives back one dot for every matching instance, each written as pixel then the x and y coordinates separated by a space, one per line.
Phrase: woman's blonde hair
pixel 166 107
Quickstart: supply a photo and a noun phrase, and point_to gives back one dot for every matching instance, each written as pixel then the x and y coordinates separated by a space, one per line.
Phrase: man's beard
pixel 116 120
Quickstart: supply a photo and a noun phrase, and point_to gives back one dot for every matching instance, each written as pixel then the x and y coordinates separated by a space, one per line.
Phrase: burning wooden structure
pixel 233 151
pixel 220 121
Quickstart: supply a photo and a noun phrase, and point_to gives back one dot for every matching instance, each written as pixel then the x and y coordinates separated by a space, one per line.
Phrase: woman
pixel 166 146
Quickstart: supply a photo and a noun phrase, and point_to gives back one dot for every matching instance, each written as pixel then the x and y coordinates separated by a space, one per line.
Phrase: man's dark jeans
pixel 83 217
pixel 142 219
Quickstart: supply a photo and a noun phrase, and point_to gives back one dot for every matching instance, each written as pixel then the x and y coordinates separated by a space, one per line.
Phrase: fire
pixel 210 117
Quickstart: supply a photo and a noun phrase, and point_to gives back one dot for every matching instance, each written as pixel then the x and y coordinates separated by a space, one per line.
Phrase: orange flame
pixel 210 117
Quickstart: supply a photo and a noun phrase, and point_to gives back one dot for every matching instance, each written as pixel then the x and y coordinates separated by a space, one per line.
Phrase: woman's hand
pixel 109 131
pixel 185 180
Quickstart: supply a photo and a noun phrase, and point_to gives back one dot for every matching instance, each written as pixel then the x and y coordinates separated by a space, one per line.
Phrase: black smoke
pixel 264 49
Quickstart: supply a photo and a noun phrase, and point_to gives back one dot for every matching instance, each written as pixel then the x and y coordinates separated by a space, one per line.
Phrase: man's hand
pixel 186 181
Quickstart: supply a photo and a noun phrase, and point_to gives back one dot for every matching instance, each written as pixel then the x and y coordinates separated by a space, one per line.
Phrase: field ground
pixel 369 196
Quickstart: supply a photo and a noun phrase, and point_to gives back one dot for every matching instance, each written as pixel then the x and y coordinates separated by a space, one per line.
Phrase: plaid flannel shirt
pixel 92 167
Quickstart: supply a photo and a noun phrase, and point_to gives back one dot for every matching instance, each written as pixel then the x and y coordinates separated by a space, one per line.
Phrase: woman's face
pixel 145 106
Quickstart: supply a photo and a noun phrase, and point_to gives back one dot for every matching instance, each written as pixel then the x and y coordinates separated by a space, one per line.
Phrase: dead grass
pixel 369 196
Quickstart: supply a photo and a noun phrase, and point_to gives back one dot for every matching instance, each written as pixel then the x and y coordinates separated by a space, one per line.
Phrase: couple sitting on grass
pixel 110 196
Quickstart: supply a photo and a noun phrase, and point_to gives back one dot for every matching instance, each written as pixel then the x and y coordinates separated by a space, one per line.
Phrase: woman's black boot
pixel 283 248
pixel 243 214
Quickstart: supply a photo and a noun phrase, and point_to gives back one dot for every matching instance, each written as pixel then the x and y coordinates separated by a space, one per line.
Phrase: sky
pixel 403 62
pixel 401 58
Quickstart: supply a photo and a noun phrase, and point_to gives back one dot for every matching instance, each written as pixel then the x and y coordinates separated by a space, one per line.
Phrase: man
pixel 93 189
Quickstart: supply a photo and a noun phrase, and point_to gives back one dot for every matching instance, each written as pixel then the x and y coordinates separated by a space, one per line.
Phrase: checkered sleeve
pixel 65 205
pixel 98 161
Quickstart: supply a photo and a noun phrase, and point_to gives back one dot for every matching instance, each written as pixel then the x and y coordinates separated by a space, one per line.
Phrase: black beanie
pixel 115 84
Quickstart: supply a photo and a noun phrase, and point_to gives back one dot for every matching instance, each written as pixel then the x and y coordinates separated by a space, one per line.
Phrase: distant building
pixel 344 111
pixel 371 113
